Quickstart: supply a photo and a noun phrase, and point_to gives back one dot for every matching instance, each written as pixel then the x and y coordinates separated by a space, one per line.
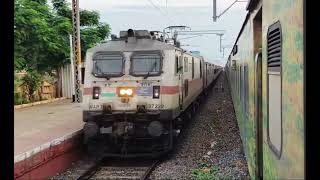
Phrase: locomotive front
pixel 125 108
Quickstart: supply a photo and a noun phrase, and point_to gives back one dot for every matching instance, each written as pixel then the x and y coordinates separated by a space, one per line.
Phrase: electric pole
pixel 76 47
pixel 220 41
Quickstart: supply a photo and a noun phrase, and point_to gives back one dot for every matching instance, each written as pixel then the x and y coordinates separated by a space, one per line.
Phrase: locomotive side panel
pixel 192 82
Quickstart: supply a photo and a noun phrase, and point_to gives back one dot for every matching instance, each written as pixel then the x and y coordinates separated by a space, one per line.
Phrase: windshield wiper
pixel 153 66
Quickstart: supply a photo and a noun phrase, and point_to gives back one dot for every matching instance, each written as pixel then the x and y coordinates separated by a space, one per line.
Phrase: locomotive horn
pixel 130 33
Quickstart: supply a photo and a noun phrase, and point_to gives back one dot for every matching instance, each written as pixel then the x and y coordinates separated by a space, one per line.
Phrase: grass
pixel 205 171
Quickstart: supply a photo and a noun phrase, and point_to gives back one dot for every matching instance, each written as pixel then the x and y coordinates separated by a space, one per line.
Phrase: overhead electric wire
pixel 204 31
pixel 190 37
pixel 162 8
pixel 163 13
pixel 196 33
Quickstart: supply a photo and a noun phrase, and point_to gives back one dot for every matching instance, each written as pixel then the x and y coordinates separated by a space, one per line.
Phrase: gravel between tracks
pixel 212 136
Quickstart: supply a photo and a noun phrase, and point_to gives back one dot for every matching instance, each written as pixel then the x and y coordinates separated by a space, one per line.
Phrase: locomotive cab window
pixel 146 63
pixel 108 64
pixel 274 88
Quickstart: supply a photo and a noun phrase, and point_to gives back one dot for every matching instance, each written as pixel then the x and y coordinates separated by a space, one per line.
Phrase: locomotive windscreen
pixel 143 63
pixel 106 63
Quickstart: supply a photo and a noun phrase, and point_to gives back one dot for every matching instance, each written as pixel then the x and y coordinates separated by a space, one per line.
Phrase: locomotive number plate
pixel 155 106
pixel 145 84
pixel 95 106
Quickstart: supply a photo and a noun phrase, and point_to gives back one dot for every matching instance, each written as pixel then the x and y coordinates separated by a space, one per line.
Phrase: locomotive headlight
pixel 156 92
pixel 123 92
pixel 129 92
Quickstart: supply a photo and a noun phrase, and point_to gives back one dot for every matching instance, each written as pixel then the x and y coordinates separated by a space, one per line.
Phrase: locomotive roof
pixel 143 44
pixel 138 45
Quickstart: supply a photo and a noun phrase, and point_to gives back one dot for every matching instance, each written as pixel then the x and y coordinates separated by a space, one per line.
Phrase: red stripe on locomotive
pixel 169 89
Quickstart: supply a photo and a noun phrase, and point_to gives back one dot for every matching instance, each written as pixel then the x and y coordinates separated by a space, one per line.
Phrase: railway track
pixel 119 169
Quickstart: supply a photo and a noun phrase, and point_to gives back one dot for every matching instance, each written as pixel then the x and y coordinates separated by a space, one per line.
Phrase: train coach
pixel 265 71
pixel 137 87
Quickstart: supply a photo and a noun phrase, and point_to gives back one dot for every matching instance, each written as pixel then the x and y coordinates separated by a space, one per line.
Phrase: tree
pixel 92 30
pixel 31 82
pixel 90 36
pixel 41 35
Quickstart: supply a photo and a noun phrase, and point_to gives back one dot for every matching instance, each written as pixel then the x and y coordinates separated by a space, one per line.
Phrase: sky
pixel 158 14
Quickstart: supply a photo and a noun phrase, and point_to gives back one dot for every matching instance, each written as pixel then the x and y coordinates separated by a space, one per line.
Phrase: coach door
pixel 258 92
pixel 258 112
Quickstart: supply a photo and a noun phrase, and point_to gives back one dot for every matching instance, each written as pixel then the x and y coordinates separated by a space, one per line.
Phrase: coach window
pixel 185 64
pixel 241 83
pixel 192 67
pixel 236 75
pixel 274 95
pixel 239 80
pixel 177 65
pixel 200 68
pixel 180 63
pixel 245 90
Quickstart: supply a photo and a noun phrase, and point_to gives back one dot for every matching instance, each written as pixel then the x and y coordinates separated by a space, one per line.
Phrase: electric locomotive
pixel 136 86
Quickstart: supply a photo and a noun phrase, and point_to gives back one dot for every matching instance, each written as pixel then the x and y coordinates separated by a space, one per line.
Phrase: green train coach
pixel 265 71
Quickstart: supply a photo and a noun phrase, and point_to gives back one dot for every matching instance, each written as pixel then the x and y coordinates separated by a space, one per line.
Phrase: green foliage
pixel 62 8
pixel 92 30
pixel 90 36
pixel 41 38
pixel 17 96
pixel 31 82
pixel 89 18
pixel 16 83
pixel 41 34
pixel 205 171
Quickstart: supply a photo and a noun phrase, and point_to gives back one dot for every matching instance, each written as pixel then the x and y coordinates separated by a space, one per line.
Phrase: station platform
pixel 45 132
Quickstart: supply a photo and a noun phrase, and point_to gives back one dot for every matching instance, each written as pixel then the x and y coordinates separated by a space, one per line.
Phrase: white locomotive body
pixel 135 89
